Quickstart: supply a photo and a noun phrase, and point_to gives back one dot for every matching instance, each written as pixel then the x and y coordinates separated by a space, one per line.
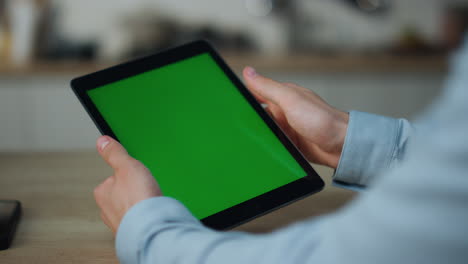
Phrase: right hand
pixel 131 183
pixel 315 127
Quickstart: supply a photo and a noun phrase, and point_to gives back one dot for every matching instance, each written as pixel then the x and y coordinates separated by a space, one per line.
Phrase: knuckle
pixel 132 162
pixel 136 164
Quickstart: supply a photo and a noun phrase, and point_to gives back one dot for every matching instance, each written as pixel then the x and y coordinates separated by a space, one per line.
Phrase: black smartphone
pixel 10 212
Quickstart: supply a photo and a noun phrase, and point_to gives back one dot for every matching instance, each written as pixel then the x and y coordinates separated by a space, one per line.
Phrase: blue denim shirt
pixel 415 208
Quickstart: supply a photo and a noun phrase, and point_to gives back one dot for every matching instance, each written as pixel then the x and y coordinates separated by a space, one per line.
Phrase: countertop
pixel 280 63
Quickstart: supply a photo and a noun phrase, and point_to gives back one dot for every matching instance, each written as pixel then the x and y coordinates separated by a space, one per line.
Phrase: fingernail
pixel 102 142
pixel 251 72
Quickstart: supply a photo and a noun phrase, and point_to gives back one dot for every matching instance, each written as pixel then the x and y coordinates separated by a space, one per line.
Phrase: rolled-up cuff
pixel 369 148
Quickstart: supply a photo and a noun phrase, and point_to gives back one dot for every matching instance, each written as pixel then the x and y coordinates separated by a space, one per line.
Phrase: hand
pixel 315 127
pixel 132 182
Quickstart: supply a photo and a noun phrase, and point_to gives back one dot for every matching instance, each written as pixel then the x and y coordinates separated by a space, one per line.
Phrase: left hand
pixel 316 128
pixel 131 183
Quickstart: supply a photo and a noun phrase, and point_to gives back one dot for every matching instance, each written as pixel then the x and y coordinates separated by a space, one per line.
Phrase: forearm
pixel 161 230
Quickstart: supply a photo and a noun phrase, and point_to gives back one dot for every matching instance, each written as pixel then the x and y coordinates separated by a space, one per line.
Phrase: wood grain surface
pixel 61 223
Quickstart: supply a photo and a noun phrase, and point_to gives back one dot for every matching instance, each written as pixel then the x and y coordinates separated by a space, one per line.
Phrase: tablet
pixel 187 117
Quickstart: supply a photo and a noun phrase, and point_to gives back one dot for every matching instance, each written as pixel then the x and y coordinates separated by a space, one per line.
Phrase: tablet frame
pixel 245 211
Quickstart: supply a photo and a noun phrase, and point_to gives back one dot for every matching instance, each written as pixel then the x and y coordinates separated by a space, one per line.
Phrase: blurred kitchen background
pixel 383 56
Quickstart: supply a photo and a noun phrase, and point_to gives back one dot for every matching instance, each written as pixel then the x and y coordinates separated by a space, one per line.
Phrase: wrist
pixel 340 127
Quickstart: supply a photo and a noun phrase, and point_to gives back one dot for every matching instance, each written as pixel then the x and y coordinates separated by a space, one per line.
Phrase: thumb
pixel 112 152
pixel 266 88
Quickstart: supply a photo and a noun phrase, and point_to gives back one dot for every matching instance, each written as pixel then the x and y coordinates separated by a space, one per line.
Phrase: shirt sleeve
pixel 161 230
pixel 372 145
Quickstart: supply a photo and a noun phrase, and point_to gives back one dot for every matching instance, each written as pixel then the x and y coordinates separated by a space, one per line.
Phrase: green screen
pixel 203 142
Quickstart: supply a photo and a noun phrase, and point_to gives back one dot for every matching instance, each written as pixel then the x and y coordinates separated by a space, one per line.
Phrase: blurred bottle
pixel 454 26
pixel 22 16
pixel 5 37
pixel 410 41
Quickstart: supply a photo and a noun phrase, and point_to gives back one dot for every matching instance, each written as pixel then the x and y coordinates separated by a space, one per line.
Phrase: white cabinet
pixel 41 113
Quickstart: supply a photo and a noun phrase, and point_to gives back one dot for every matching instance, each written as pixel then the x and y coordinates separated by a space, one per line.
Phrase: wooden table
pixel 61 222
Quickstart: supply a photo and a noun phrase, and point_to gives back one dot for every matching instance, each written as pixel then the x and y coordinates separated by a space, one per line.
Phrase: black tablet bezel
pixel 238 214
